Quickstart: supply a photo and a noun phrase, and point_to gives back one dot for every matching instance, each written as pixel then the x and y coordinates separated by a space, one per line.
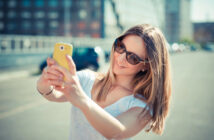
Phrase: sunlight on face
pixel 134 44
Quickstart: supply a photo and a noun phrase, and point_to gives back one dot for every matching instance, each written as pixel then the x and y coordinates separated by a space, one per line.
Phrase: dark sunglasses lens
pixel 119 48
pixel 132 59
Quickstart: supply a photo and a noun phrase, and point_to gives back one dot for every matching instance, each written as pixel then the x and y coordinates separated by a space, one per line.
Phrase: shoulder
pixel 87 76
pixel 88 73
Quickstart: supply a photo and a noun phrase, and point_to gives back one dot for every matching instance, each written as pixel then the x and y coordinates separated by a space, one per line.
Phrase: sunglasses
pixel 131 58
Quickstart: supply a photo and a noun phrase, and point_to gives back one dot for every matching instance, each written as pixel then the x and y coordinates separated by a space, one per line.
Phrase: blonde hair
pixel 154 84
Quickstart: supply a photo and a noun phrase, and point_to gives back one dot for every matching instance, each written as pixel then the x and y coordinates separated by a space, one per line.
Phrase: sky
pixel 202 10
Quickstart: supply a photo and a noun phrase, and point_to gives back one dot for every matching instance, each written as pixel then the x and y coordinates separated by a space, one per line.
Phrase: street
pixel 25 115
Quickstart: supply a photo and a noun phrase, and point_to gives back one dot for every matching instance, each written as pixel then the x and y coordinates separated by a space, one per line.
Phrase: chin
pixel 118 71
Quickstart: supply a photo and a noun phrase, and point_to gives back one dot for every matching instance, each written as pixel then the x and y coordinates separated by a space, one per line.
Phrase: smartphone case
pixel 60 52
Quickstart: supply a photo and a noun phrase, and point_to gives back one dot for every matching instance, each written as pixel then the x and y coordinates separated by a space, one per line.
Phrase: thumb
pixel 71 65
pixel 50 62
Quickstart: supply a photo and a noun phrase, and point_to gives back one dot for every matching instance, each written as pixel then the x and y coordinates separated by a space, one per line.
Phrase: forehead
pixel 136 45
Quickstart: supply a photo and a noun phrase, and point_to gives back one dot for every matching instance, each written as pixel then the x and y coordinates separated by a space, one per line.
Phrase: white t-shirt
pixel 81 129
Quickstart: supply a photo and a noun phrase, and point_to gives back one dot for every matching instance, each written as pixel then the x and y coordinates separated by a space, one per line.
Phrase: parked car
pixel 85 57
pixel 209 47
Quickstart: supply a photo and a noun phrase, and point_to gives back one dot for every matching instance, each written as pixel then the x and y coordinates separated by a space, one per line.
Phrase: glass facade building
pixel 78 18
pixel 178 25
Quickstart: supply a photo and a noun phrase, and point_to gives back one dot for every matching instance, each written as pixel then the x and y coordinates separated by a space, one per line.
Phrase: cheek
pixel 115 56
pixel 134 68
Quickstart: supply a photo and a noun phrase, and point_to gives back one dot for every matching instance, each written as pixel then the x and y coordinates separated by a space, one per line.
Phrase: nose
pixel 122 58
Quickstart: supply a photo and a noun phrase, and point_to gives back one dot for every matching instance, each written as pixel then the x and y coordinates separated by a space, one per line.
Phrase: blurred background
pixel 30 28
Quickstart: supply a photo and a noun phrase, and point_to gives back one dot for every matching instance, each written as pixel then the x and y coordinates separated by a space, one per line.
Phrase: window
pixel 96 3
pixel 53 15
pixel 11 14
pixel 39 3
pixel 1 3
pixel 12 3
pixel 11 26
pixel 95 14
pixel 95 35
pixel 82 3
pixel 67 3
pixel 68 26
pixel 54 24
pixel 81 25
pixel 39 14
pixel 26 25
pixel 53 3
pixel 40 24
pixel 95 25
pixel 26 14
pixel 82 14
pixel 1 25
pixel 26 3
pixel 1 14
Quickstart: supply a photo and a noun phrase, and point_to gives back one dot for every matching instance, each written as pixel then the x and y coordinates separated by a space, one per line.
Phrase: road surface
pixel 24 114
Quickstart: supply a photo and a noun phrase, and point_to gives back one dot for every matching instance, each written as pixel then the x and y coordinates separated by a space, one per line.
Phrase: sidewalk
pixel 18 72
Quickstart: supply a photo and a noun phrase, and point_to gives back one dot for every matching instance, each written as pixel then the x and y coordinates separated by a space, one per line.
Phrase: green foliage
pixel 190 43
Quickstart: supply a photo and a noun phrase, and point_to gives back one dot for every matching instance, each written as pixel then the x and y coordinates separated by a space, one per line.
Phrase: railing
pixel 27 44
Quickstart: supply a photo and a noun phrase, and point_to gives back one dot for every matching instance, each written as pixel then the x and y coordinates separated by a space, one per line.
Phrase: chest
pixel 112 97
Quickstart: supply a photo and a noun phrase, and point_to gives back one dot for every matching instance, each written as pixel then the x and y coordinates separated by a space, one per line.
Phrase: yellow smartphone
pixel 60 52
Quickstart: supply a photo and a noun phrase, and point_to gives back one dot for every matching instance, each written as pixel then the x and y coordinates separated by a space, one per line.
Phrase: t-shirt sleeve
pixel 86 79
pixel 82 77
pixel 137 103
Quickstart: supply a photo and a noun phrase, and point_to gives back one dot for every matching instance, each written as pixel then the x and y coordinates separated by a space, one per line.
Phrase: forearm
pixel 101 120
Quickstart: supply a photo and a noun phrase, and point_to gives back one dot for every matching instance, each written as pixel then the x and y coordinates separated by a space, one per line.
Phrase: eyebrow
pixel 132 52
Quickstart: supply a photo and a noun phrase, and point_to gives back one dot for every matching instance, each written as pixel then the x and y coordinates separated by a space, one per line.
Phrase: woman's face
pixel 134 44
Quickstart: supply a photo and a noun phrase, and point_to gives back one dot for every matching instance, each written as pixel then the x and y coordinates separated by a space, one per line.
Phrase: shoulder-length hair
pixel 154 84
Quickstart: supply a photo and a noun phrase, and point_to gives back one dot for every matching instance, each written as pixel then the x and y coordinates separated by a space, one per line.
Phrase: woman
pixel 133 95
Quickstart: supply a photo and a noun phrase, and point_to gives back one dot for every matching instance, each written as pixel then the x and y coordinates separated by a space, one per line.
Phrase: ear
pixel 145 67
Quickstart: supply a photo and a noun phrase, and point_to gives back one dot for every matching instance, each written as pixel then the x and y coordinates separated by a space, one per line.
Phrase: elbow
pixel 109 137
pixel 115 136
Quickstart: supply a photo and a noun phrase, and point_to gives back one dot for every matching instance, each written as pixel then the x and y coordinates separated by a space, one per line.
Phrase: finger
pixel 51 70
pixel 56 83
pixel 71 64
pixel 50 61
pixel 44 70
pixel 48 76
pixel 61 70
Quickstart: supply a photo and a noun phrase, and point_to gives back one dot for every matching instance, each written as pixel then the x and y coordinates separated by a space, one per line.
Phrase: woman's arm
pixel 44 87
pixel 53 95
pixel 123 126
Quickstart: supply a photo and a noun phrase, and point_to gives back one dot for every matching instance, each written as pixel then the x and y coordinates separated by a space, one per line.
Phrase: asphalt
pixel 24 114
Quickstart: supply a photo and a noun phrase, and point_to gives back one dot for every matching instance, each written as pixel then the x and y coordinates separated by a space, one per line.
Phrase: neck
pixel 124 81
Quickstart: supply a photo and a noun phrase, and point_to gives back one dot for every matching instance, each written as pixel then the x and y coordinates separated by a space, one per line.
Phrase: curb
pixel 17 73
pixel 11 75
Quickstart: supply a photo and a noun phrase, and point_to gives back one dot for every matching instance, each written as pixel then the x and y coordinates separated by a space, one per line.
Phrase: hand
pixel 48 74
pixel 68 84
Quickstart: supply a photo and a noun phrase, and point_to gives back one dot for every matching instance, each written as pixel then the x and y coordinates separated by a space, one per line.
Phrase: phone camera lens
pixel 61 48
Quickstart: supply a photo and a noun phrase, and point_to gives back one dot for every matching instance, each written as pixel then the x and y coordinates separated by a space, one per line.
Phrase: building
pixel 178 25
pixel 78 18
pixel 127 13
pixel 204 32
